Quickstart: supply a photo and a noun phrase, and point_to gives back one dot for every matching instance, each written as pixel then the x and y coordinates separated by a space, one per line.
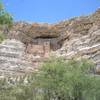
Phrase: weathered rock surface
pixel 84 39
pixel 79 36
pixel 12 59
pixel 55 33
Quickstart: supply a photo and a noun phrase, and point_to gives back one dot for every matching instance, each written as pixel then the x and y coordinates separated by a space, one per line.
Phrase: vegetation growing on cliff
pixel 56 80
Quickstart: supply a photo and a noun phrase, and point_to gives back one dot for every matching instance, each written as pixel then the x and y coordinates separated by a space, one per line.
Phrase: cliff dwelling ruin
pixel 41 49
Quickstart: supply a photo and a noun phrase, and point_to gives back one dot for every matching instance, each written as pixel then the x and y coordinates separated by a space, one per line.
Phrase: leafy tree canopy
pixel 5 17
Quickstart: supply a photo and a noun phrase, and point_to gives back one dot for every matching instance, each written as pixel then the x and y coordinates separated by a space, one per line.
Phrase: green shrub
pixel 66 80
pixel 56 79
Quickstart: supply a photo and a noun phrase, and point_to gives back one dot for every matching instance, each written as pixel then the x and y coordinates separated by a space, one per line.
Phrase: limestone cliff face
pixel 56 33
pixel 34 33
pixel 12 59
pixel 83 38
pixel 76 36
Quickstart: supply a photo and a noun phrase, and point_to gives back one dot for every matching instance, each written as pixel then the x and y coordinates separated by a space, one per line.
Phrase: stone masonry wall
pixel 38 49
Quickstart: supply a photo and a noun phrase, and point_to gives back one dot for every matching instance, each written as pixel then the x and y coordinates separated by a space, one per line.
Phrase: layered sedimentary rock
pixel 34 33
pixel 84 40
pixel 79 36
pixel 56 33
pixel 12 59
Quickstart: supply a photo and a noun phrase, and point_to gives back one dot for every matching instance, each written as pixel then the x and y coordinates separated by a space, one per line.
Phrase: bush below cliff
pixel 56 80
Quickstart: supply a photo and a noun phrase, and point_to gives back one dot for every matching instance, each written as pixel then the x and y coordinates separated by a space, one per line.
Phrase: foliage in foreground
pixel 56 80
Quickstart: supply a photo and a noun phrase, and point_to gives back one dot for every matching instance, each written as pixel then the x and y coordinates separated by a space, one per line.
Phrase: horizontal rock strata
pixel 79 36
pixel 12 61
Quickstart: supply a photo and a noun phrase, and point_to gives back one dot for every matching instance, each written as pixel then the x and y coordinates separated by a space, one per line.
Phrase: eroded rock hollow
pixel 79 36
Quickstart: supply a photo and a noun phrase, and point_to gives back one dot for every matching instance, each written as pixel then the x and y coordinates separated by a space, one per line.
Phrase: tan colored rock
pixel 79 36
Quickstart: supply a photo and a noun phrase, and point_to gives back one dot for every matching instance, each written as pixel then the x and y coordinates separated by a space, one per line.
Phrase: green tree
pixel 5 17
pixel 6 21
